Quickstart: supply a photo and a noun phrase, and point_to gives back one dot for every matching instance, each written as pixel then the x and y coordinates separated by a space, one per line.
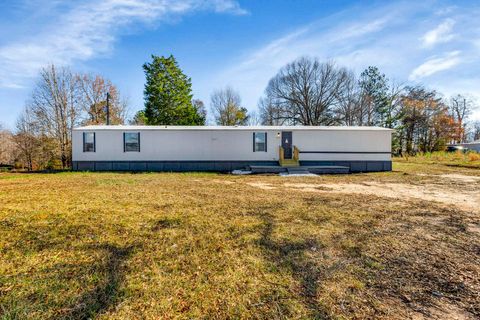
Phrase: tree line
pixel 60 101
pixel 311 93
pixel 304 92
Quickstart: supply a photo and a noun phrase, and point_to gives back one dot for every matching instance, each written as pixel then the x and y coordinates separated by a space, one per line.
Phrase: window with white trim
pixel 131 141
pixel 259 142
pixel 89 142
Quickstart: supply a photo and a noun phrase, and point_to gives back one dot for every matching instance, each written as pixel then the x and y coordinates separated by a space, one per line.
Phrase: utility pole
pixel 108 109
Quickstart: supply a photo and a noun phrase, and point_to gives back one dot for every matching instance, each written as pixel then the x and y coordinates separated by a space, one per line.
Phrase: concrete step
pixel 297 170
pixel 267 169
pixel 328 169
pixel 300 169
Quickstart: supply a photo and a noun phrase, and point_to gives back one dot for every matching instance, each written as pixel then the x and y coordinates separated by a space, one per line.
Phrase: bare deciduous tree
pixel 270 114
pixel 254 119
pixel 7 147
pixel 25 138
pixel 307 91
pixel 60 101
pixel 54 103
pixel 476 131
pixel 392 111
pixel 226 108
pixel 348 109
pixel 92 99
pixel 461 107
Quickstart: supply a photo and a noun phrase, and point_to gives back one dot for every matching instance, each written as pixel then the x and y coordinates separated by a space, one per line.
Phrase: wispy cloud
pixel 337 37
pixel 386 36
pixel 434 65
pixel 84 31
pixel 441 34
pixel 308 38
pixel 233 7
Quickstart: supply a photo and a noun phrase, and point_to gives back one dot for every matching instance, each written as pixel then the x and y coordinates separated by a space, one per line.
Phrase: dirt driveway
pixel 461 191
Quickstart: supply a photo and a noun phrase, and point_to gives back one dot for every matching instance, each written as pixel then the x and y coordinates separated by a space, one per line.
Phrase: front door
pixel 287 144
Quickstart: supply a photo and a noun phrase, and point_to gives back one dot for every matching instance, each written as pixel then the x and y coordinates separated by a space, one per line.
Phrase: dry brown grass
pixel 150 246
pixel 470 159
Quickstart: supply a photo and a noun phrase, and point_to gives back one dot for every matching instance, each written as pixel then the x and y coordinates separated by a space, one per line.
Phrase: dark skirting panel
pixel 217 166
pixel 355 166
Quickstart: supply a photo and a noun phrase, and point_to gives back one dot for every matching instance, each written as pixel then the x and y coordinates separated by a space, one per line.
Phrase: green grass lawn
pixel 193 245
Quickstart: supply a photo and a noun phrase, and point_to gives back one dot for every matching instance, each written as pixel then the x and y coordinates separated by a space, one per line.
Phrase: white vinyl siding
pixel 232 145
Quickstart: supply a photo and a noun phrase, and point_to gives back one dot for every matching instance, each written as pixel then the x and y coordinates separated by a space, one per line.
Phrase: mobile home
pixel 219 148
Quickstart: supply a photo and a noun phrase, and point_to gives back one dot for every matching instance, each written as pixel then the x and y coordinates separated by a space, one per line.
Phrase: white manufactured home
pixel 217 148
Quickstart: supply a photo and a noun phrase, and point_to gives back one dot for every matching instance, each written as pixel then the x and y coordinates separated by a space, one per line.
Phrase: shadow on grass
pixel 108 273
pixel 423 278
pixel 49 171
pixel 103 277
pixel 105 294
pixel 291 255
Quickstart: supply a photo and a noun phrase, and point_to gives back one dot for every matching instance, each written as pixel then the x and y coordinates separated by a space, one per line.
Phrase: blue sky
pixel 237 43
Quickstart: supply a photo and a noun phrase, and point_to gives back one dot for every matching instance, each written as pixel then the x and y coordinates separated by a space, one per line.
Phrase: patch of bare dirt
pixel 262 185
pixel 223 181
pixel 475 228
pixel 466 200
pixel 461 177
pixel 455 177
pixel 444 310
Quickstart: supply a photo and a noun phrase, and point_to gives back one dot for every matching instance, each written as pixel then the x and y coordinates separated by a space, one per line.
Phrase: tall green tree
pixel 139 118
pixel 168 94
pixel 373 97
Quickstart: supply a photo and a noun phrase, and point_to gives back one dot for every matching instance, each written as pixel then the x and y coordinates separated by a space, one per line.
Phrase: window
pixel 131 141
pixel 259 142
pixel 89 142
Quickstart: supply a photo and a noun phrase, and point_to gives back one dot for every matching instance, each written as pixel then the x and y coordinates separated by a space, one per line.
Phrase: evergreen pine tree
pixel 168 94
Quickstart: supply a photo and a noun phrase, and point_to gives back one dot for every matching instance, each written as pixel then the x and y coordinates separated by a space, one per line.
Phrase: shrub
pixel 473 156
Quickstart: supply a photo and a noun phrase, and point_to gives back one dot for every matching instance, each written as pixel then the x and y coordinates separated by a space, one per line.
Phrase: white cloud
pixel 363 28
pixel 445 10
pixel 274 48
pixel 384 36
pixel 335 37
pixel 229 7
pixel 309 39
pixel 441 34
pixel 435 65
pixel 90 29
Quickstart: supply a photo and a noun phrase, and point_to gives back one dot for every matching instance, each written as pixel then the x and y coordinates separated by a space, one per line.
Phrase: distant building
pixel 475 145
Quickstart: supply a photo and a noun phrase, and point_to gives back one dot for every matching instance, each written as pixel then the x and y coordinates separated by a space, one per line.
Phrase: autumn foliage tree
pixel 61 100
pixel 93 99
pixel 309 92
pixel 425 124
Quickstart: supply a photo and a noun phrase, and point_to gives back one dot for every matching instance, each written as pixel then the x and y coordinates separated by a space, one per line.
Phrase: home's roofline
pixel 467 143
pixel 247 128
